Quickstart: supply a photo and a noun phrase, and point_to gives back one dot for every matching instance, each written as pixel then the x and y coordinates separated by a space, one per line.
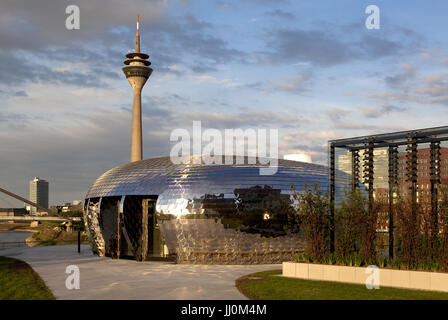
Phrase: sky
pixel 310 69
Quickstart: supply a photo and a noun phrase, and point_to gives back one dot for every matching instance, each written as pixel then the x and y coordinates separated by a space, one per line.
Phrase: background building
pixel 381 171
pixel 12 212
pixel 74 206
pixel 39 192
pixel 423 173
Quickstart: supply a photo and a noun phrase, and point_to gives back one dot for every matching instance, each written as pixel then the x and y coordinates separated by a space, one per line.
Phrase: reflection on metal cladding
pixel 255 226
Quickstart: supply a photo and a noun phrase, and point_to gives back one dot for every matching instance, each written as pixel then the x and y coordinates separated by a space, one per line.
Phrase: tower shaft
pixel 136 142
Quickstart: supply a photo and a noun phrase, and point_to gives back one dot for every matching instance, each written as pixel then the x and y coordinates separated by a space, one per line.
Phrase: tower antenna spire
pixel 137 39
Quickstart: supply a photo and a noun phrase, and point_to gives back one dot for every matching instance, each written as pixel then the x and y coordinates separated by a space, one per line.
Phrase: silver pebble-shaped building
pixel 198 213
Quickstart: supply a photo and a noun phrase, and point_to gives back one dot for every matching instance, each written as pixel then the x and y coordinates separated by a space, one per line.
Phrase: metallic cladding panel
pixel 160 176
pixel 227 214
pixel 91 218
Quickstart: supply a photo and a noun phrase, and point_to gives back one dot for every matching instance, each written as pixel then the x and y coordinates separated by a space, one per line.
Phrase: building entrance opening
pixel 141 230
pixel 155 248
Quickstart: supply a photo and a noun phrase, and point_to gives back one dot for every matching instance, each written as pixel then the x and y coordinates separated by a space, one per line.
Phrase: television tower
pixel 137 71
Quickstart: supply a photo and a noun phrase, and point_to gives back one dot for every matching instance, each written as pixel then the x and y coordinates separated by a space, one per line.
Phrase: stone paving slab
pixel 105 278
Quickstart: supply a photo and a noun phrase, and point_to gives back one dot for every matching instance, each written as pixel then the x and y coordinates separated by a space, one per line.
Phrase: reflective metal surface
pixel 226 214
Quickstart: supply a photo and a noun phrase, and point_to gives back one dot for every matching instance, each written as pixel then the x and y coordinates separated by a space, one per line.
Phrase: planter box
pixel 289 269
pixel 387 277
pixel 316 271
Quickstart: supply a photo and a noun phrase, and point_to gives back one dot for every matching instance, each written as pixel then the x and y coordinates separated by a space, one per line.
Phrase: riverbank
pixel 17 227
pixel 47 233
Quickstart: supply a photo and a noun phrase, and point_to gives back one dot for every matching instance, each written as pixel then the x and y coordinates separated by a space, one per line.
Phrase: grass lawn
pixel 268 285
pixel 18 281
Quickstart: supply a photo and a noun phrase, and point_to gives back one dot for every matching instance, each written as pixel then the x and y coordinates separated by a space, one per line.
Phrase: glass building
pixel 198 213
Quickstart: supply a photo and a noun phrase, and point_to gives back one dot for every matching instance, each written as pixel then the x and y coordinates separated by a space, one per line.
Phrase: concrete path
pixel 104 278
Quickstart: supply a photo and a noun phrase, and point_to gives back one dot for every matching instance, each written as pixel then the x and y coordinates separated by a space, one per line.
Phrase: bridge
pixel 58 217
pixel 35 218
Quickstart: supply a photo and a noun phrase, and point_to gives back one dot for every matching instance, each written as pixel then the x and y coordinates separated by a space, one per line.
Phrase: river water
pixel 13 239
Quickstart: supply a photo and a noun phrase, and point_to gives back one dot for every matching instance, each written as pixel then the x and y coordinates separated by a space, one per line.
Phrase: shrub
pixel 413 233
pixel 348 223
pixel 312 215
pixel 417 245
pixel 356 226
pixel 443 227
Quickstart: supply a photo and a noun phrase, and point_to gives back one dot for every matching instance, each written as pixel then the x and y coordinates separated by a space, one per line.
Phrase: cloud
pixel 410 85
pixel 375 47
pixel 367 127
pixel 408 73
pixel 329 47
pixel 310 142
pixel 249 118
pixel 265 2
pixel 336 114
pixel 341 121
pixel 70 158
pixel 213 80
pixel 278 13
pixel 371 112
pixel 11 118
pixel 20 93
pixel 436 56
pixel 11 92
pixel 41 41
pixel 222 5
pixel 163 106
pixel 41 23
pixel 172 111
pixel 296 83
pixel 20 70
pixel 316 47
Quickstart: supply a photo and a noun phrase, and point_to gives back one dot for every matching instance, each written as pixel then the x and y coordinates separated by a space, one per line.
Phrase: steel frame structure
pixel 411 139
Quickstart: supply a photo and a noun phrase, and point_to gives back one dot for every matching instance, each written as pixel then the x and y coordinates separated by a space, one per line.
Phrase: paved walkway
pixel 104 278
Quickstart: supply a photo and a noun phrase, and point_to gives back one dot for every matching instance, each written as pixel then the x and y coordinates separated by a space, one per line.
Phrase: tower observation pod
pixel 137 71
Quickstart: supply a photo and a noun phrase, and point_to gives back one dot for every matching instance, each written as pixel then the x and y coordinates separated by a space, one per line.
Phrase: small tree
pixel 348 222
pixel 443 227
pixel 356 226
pixel 407 231
pixel 371 221
pixel 312 214
pixel 426 250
